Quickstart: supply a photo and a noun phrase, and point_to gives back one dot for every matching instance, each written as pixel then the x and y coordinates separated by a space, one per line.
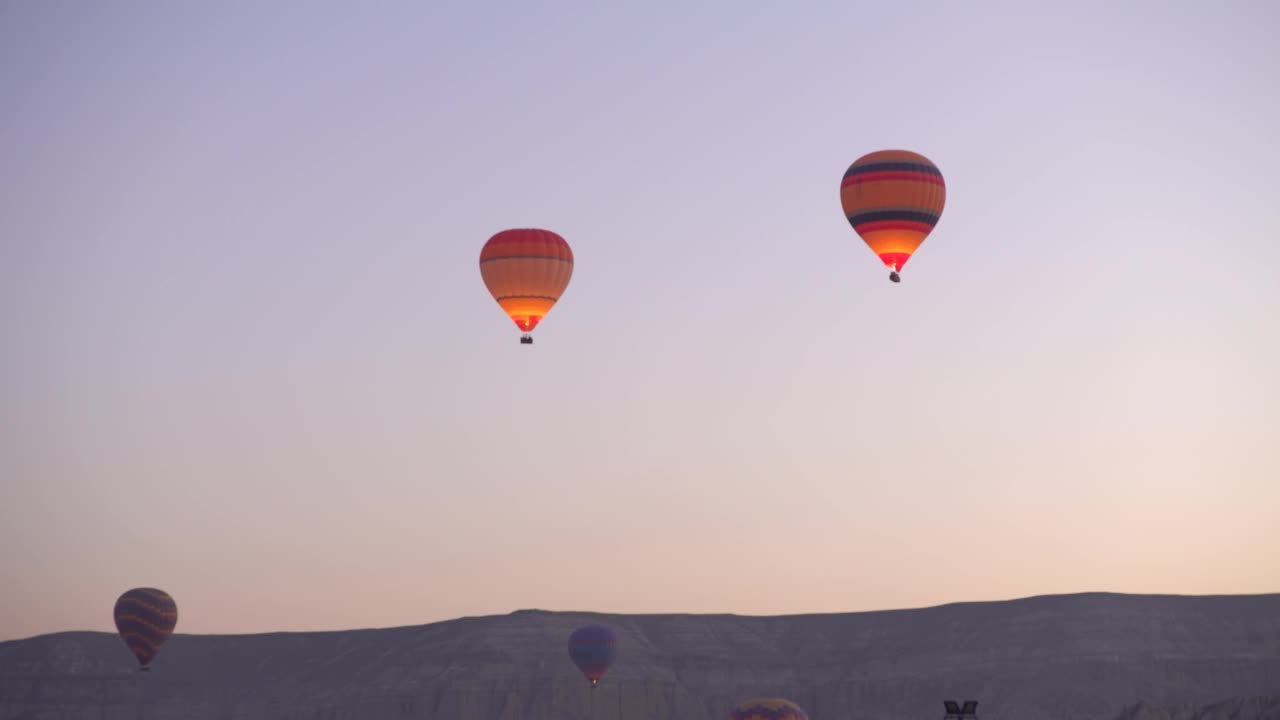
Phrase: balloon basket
pixel 526 339
pixel 894 276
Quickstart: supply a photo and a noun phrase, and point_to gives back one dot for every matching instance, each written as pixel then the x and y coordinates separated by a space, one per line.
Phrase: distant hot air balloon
pixel 893 198
pixel 768 709
pixel 145 618
pixel 593 648
pixel 526 271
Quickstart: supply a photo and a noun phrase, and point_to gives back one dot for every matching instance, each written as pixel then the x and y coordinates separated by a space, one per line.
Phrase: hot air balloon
pixel 526 271
pixel 593 648
pixel 768 709
pixel 145 618
pixel 893 198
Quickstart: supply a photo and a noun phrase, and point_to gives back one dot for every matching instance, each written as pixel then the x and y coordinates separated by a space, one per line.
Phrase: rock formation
pixel 1093 655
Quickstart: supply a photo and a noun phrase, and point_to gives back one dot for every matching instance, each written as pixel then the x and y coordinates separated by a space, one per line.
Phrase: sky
pixel 249 359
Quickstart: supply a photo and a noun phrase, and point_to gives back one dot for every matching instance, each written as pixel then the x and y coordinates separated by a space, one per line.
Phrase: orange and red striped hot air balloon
pixel 893 199
pixel 526 271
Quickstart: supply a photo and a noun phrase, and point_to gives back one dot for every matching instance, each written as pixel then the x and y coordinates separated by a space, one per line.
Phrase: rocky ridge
pixel 1094 655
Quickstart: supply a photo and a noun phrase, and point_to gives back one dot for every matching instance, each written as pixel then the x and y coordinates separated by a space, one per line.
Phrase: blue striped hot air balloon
pixel 593 648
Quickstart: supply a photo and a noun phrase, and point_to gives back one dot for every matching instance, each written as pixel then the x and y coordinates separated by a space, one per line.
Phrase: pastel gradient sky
pixel 249 358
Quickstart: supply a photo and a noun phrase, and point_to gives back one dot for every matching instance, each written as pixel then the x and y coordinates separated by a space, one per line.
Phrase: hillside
pixel 1073 656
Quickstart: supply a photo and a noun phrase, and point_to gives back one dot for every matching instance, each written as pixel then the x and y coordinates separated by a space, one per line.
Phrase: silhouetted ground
pixel 1094 655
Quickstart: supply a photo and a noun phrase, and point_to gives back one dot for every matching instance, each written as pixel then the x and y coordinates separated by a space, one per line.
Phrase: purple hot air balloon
pixel 145 618
pixel 593 648
pixel 768 709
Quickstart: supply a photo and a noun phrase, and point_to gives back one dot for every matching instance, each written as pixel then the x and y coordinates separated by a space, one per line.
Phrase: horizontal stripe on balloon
pixel 864 228
pixel 546 237
pixel 892 165
pixel 526 297
pixel 155 623
pixel 136 605
pixel 527 257
pixel 914 176
pixel 147 600
pixel 916 216
pixel 151 644
pixel 527 242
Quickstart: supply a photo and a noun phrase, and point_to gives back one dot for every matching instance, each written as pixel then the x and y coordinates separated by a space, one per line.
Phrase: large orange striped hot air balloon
pixel 768 709
pixel 893 198
pixel 526 271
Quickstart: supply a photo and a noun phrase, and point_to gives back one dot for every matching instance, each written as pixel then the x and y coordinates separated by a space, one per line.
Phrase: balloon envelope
pixel 593 648
pixel 145 618
pixel 526 271
pixel 893 199
pixel 768 709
